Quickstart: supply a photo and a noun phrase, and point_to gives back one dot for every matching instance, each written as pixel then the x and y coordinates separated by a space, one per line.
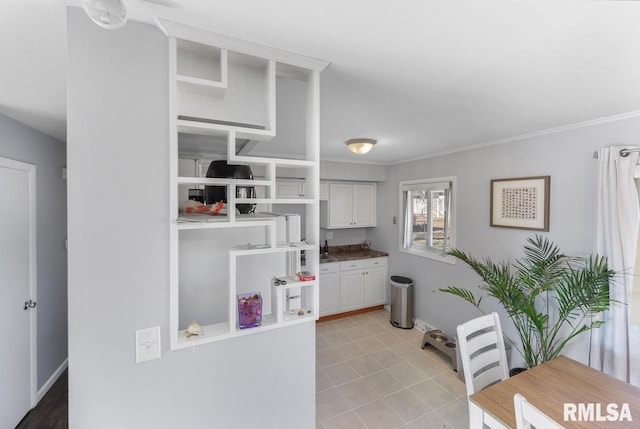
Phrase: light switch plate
pixel 147 344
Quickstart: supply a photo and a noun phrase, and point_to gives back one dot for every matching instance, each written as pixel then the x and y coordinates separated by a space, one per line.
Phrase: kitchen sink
pixel 327 258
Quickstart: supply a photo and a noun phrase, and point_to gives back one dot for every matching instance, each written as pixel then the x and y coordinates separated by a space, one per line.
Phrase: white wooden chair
pixel 484 362
pixel 482 352
pixel 528 416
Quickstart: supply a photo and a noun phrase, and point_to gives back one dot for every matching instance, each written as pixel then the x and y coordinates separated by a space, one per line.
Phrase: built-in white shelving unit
pixel 223 95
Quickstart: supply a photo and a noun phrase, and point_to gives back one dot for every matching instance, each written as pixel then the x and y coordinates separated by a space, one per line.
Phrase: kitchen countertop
pixel 350 252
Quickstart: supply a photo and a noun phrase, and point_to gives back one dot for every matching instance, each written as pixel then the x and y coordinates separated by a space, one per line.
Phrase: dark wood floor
pixel 52 412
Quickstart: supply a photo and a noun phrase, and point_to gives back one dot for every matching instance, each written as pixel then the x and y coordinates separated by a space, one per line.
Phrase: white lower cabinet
pixel 329 289
pixel 351 290
pixel 375 282
pixel 352 285
pixel 324 191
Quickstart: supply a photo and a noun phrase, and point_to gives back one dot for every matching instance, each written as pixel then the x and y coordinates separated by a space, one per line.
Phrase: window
pixel 427 227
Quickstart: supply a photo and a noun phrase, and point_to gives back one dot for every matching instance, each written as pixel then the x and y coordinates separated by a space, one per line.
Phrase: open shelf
pixel 201 61
pixel 223 96
pixel 274 201
pixel 260 248
pixel 196 85
pixel 216 332
pixel 222 331
pixel 221 181
pixel 209 129
pixel 204 221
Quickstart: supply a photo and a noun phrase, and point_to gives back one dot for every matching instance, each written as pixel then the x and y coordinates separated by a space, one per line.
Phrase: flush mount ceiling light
pixel 360 146
pixel 110 14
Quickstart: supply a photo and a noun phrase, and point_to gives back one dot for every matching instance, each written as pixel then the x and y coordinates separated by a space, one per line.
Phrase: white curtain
pixel 617 219
pixel 408 220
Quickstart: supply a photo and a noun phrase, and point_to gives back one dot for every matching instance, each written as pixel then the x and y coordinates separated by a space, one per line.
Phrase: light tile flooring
pixel 371 375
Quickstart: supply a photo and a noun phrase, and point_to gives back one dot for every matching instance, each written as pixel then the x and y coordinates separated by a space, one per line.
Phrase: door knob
pixel 29 304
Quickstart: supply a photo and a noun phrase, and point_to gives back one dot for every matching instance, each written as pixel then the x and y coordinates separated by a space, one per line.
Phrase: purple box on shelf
pixel 249 310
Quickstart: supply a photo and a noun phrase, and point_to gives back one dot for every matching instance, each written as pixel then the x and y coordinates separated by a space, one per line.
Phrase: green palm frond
pixel 465 294
pixel 577 288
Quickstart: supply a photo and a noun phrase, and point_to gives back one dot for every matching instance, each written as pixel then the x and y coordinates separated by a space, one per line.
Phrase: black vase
pixel 221 170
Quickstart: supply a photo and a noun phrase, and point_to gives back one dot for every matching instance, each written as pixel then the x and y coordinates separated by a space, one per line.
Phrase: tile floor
pixel 371 375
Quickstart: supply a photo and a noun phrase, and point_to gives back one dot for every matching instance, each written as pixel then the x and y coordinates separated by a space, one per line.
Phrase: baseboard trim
pixel 54 377
pixel 422 326
pixel 350 313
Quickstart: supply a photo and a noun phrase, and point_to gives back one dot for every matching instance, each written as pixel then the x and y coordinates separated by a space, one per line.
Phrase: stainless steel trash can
pixel 402 302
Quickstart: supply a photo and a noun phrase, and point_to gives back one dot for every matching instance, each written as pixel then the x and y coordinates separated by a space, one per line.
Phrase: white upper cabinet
pixel 340 206
pixel 349 205
pixel 364 204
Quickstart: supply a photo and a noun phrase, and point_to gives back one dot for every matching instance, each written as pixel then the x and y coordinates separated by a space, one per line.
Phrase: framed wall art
pixel 520 203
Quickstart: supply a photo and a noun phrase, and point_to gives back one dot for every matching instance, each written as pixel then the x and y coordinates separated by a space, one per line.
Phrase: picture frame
pixel 521 202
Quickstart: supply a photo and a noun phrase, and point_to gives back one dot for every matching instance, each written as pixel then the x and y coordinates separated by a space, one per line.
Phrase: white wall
pixel 22 143
pixel 119 255
pixel 344 237
pixel 332 170
pixel 566 156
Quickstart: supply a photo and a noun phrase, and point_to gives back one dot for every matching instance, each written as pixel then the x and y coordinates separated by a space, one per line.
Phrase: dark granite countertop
pixel 349 253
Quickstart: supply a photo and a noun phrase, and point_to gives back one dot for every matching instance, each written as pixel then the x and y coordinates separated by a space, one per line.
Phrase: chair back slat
pixel 487 378
pixel 486 359
pixel 481 341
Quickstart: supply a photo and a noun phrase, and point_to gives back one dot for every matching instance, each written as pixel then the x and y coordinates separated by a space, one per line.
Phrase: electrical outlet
pixel 147 344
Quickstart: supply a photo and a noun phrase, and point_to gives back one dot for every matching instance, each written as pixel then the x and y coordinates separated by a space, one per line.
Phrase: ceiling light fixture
pixel 110 14
pixel 360 146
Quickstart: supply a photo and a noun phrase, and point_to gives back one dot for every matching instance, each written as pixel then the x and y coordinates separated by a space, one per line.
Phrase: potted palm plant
pixel 550 297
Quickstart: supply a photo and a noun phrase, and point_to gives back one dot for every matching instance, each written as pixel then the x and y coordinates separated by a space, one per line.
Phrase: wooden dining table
pixel 557 387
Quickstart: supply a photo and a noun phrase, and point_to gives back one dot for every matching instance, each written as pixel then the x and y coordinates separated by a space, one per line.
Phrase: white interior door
pixel 17 287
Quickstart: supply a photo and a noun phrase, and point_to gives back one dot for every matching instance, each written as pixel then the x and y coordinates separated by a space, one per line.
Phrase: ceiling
pixel 423 77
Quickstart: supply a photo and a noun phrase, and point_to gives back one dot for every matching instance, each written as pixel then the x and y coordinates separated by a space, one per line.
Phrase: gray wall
pixel 333 170
pixel 566 156
pixel 22 143
pixel 119 256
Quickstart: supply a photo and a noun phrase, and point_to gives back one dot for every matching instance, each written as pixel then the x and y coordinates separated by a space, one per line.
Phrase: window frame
pixel 426 251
